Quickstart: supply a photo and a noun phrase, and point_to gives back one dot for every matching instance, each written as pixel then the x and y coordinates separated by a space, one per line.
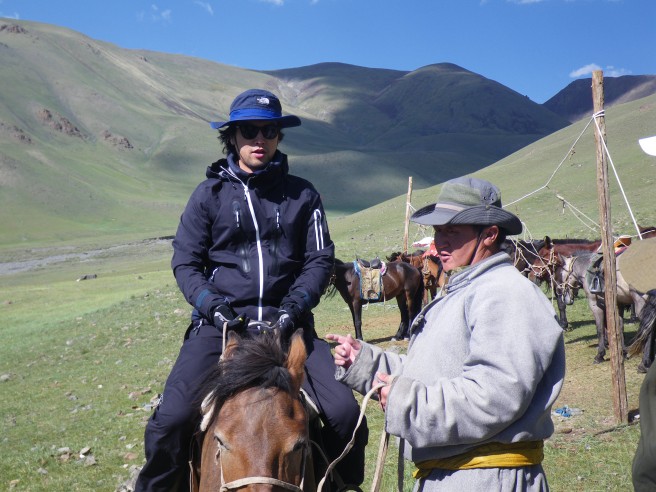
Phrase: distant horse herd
pixel 563 266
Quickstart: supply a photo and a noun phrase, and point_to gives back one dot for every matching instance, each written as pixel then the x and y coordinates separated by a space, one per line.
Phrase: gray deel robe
pixel 485 363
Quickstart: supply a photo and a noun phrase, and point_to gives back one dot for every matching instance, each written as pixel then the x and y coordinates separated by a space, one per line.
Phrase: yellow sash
pixel 493 455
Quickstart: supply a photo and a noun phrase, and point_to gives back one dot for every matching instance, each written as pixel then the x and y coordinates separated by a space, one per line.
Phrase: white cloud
pixel 609 71
pixel 10 16
pixel 206 6
pixel 279 3
pixel 585 70
pixel 525 2
pixel 158 15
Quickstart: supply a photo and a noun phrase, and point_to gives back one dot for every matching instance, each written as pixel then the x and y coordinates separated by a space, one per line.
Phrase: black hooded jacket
pixel 257 241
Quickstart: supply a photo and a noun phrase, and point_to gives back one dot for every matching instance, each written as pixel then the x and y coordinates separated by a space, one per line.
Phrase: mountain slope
pixel 99 140
pixel 562 164
pixel 575 102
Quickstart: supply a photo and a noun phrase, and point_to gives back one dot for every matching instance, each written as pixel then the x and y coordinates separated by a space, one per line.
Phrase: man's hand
pixel 285 325
pixel 386 379
pixel 223 314
pixel 346 351
pixel 238 324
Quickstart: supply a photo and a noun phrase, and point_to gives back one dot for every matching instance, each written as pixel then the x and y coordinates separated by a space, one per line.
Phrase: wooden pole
pixel 408 206
pixel 615 335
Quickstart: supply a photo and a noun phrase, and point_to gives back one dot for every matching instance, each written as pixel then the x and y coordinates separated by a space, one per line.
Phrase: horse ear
pixel 296 360
pixel 233 341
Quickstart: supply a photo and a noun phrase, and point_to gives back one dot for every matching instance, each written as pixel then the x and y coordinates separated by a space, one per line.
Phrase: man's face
pixel 455 245
pixel 255 152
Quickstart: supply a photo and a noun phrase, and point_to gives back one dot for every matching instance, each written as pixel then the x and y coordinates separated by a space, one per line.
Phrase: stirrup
pixel 596 287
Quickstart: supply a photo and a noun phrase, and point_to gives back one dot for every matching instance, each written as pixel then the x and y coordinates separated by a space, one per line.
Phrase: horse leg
pixel 599 315
pixel 357 322
pixel 356 314
pixel 634 316
pixel 402 332
pixel 562 317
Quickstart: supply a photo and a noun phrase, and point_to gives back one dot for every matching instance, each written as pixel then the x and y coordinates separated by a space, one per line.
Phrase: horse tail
pixel 647 326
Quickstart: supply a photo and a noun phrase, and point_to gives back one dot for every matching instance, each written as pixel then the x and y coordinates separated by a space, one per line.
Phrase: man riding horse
pixel 252 243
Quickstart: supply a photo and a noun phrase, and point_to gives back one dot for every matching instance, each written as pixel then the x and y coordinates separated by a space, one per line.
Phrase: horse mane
pixel 257 362
pixel 397 255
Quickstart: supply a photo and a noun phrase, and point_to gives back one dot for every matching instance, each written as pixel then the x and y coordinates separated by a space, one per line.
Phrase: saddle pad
pixel 638 264
pixel 370 284
pixel 371 280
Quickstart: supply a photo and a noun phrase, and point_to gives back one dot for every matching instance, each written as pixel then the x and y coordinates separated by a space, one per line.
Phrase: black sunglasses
pixel 250 131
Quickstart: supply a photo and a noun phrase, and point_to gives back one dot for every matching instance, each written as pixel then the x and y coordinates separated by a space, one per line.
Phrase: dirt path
pixel 40 258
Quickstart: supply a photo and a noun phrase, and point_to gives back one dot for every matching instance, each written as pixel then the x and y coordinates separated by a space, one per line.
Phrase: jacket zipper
pixel 260 258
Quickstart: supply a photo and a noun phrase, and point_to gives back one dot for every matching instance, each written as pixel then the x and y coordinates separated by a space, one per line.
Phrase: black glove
pixel 285 325
pixel 222 314
pixel 239 323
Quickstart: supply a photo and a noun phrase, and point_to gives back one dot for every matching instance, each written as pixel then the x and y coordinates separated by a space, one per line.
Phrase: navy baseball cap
pixel 257 104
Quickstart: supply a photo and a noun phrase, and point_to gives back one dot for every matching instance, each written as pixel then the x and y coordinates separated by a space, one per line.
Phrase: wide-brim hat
pixel 469 201
pixel 257 104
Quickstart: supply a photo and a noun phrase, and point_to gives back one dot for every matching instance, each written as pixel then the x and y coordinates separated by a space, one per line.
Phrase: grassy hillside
pixel 96 140
pixel 82 361
pixel 529 170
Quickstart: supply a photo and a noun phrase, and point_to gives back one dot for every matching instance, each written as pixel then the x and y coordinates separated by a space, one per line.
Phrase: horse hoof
pixel 598 360
pixel 394 339
pixel 642 369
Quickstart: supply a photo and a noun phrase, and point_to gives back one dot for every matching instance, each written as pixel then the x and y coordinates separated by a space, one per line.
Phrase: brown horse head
pixel 257 430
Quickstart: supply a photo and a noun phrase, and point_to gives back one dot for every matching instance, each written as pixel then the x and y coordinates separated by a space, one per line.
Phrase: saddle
pixel 376 264
pixel 371 278
pixel 594 276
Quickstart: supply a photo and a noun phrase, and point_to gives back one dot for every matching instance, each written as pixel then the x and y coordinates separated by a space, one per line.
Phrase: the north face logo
pixel 263 100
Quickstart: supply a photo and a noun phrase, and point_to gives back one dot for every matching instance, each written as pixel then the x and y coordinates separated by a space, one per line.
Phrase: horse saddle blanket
pixel 371 280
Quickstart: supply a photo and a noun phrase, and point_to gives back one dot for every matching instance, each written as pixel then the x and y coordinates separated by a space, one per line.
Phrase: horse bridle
pixel 243 482
pixel 570 274
pixel 519 250
pixel 538 270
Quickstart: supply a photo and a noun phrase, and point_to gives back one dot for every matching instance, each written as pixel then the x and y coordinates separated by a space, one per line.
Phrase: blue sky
pixel 535 47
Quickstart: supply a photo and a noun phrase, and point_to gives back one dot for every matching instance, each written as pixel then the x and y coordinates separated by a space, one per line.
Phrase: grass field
pixel 81 361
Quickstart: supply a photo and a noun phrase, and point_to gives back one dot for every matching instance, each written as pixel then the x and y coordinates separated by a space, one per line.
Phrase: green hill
pixel 562 164
pixel 99 141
